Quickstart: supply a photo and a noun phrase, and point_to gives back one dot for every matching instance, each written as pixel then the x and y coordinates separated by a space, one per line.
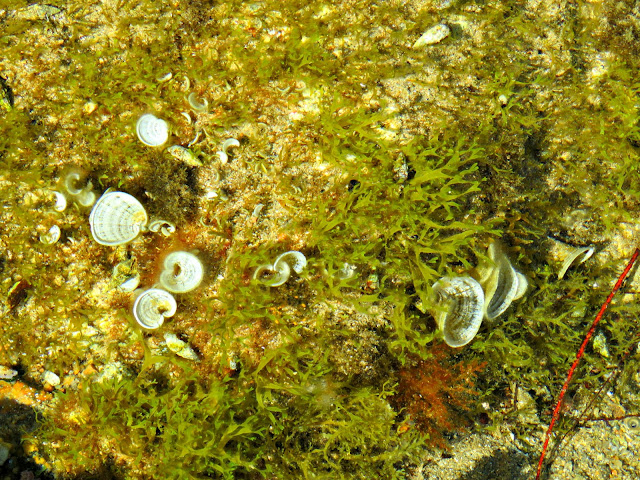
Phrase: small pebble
pixel 51 378
pixel 179 347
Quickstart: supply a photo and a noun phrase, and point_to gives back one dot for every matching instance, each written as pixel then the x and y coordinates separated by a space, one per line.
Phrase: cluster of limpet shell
pixel 462 302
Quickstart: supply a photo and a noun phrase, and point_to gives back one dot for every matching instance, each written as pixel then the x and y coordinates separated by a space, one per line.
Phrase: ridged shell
pixel 151 130
pixel 182 272
pixel 117 218
pixel 459 309
pixel 153 306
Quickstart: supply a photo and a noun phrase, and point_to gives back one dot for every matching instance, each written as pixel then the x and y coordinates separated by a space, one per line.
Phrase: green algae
pixel 403 207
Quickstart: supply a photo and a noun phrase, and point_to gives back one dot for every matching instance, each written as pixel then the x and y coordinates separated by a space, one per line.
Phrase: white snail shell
pixel 117 218
pixel 183 272
pixel 501 282
pixel 153 306
pixel 151 130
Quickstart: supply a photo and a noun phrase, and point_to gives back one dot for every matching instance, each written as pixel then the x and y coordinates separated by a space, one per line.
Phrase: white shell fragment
pixel 459 309
pixel 162 226
pixel 227 144
pixel 130 284
pixel 153 306
pixel 501 282
pixel 433 35
pixel 179 347
pixel 575 257
pixel 61 202
pixel 117 218
pixel 183 272
pixel 347 271
pixel 278 273
pixel 151 130
pixel 52 236
pixel 197 104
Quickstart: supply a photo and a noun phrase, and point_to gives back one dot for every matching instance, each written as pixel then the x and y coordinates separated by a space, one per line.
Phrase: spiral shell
pixel 182 272
pixel 117 218
pixel 278 273
pixel 459 309
pixel 295 259
pixel 151 130
pixel 153 306
pixel 501 282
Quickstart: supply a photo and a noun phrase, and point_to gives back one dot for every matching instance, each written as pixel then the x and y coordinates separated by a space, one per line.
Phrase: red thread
pixel 556 411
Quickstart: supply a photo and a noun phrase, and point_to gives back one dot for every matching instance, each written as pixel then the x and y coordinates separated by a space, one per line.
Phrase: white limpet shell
pixel 226 145
pixel 163 226
pixel 153 306
pixel 459 309
pixel 52 236
pixel 198 105
pixel 183 272
pixel 117 218
pixel 151 130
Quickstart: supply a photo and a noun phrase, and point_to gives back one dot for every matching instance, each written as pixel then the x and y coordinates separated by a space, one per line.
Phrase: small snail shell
pixel 182 272
pixel 295 259
pixel 278 273
pixel 460 307
pixel 151 130
pixel 117 218
pixel 502 283
pixel 153 306
pixel 269 276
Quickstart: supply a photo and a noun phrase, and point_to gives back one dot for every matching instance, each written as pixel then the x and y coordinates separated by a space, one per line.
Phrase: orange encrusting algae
pixel 22 393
